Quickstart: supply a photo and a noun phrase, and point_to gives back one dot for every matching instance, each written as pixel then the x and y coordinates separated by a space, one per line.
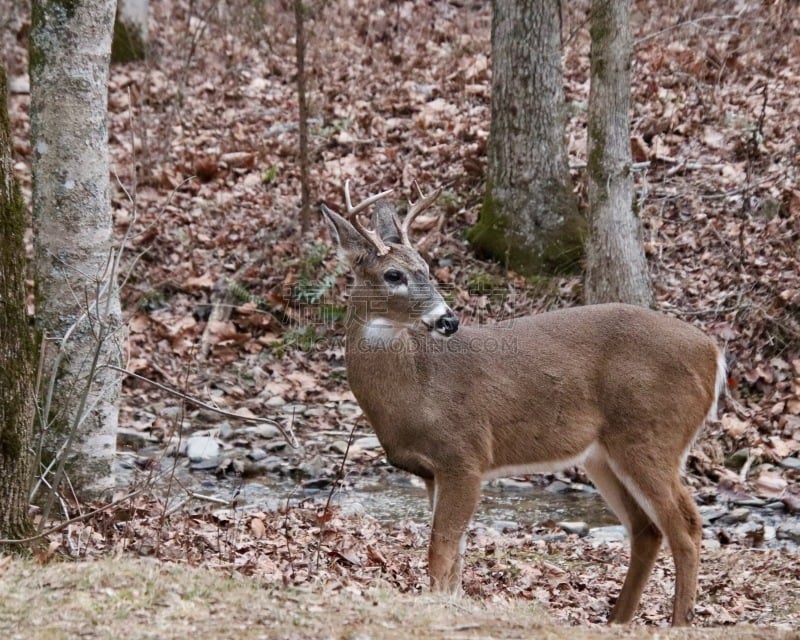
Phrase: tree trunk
pixel 616 266
pixel 130 31
pixel 529 218
pixel 77 300
pixel 17 351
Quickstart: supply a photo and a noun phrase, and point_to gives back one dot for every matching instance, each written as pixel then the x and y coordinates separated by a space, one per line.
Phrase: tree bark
pixel 77 300
pixel 529 218
pixel 616 268
pixel 130 31
pixel 17 350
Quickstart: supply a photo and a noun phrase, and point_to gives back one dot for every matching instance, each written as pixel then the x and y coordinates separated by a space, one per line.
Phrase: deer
pixel 620 390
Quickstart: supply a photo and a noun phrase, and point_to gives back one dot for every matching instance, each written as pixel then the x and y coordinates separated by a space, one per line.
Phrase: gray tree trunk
pixel 77 300
pixel 529 218
pixel 17 351
pixel 616 269
pixel 130 31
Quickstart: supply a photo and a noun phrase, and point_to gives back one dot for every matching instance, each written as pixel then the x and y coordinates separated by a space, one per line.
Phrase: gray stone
pixel 205 464
pixel 296 408
pixel 315 411
pixel 133 438
pixel 711 512
pixel 225 430
pixel 576 527
pixel 614 533
pixel 558 486
pixel 735 516
pixel 789 531
pixel 791 463
pixel 509 484
pixel 275 401
pixel 367 442
pixel 202 448
pixel 338 446
pixel 504 525
pixel 256 454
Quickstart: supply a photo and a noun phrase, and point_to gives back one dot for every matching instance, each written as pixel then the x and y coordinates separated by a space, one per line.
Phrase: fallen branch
pixel 286 432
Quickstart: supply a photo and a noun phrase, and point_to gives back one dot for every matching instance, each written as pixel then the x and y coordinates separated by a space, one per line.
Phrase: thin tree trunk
pixel 77 300
pixel 130 31
pixel 302 106
pixel 17 351
pixel 616 268
pixel 530 218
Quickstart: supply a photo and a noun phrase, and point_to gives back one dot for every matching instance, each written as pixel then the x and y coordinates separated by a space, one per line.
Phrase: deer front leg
pixel 454 501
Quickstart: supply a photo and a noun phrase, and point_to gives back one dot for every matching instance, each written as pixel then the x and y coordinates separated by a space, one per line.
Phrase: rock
pixel 275 401
pixel 711 512
pixel 133 438
pixel 576 527
pixel 711 544
pixel 202 448
pixel 750 501
pixel 315 411
pixel 367 442
pixel 735 516
pixel 737 459
pixel 615 533
pixel 205 464
pixel 504 525
pixel 791 463
pixel 225 430
pixel 558 486
pixel 338 446
pixel 266 430
pixel 791 503
pixel 789 531
pixel 256 454
pixel 275 445
pixel 509 484
pixel 295 409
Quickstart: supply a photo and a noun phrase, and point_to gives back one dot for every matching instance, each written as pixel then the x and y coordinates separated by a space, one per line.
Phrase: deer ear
pixel 350 241
pixel 384 221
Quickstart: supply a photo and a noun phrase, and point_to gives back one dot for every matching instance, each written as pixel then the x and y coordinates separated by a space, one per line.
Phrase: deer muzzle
pixel 447 324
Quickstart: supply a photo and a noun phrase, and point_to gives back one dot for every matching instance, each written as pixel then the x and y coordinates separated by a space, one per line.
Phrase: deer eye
pixel 393 276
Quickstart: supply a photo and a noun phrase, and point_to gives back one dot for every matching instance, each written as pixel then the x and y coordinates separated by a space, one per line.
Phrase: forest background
pixel 205 152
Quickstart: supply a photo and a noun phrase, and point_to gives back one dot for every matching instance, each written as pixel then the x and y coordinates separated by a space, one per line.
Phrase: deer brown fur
pixel 620 389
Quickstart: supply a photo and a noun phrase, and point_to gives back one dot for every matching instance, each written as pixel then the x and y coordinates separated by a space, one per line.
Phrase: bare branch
pixel 287 433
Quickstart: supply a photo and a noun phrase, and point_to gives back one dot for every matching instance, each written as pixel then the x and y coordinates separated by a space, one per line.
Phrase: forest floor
pixel 204 144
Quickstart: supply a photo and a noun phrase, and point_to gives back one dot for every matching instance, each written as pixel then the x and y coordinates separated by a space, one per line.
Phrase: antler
pixel 415 209
pixel 352 216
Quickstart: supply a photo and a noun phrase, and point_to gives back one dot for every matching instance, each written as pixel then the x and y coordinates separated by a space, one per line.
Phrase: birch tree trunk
pixel 130 31
pixel 17 351
pixel 529 218
pixel 616 268
pixel 77 300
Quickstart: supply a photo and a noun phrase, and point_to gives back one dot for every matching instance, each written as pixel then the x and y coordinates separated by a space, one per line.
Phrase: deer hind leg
pixel 455 499
pixel 644 535
pixel 658 490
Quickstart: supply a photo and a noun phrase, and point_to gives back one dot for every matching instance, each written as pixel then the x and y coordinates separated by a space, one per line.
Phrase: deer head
pixel 393 288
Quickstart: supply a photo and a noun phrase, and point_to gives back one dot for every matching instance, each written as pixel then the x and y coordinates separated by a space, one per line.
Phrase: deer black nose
pixel 447 324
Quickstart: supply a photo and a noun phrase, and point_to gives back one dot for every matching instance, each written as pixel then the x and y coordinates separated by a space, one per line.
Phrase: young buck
pixel 619 389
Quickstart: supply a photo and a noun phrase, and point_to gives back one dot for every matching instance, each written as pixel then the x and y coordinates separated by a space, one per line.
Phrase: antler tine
pixel 415 209
pixel 352 215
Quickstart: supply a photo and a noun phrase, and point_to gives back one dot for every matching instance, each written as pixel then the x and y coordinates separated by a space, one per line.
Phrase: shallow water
pixel 391 502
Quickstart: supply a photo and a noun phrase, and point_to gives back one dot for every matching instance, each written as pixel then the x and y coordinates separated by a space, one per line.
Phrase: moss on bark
pixel 554 250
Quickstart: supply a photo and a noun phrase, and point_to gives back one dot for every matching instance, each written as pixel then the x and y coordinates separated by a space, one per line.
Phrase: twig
pixel 79 518
pixel 287 433
pixel 339 477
